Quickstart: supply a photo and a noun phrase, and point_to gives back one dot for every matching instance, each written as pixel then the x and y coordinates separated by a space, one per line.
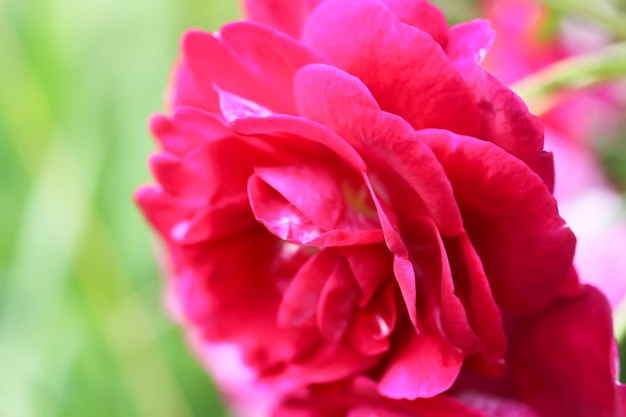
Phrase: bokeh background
pixel 83 328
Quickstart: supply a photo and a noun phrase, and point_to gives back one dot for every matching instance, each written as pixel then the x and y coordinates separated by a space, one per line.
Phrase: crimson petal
pixel 562 359
pixel 425 367
pixel 341 102
pixel 299 303
pixel 404 68
pixel 504 117
pixel 255 62
pixel 288 16
pixel 526 248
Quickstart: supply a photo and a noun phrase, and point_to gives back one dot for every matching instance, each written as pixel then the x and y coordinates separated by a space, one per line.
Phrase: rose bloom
pixel 365 214
pixel 575 125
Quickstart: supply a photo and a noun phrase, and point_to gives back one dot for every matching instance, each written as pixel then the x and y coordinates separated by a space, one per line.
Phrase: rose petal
pixel 287 16
pixel 303 129
pixel 525 247
pixel 162 210
pixel 312 189
pixel 299 303
pixel 329 363
pixel 254 62
pixel 561 358
pixel 424 367
pixel 338 302
pixel 422 15
pixel 496 406
pixel 287 222
pixel 342 102
pixel 436 299
pixel 405 69
pixel 402 267
pixel 470 43
pixel 373 324
pixel 504 117
pixel 216 307
pixel 472 287
pixel 371 266
pixel 187 129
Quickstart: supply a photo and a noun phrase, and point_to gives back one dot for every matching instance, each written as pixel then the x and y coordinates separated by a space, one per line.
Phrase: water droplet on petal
pixel 383 327
pixel 179 231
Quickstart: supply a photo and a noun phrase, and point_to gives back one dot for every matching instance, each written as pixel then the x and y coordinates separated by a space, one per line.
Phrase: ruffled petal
pixel 511 219
pixel 371 266
pixel 469 44
pixel 472 287
pixel 405 69
pixel 359 397
pixel 300 128
pixel 287 16
pixel 298 306
pixel 373 324
pixel 338 302
pixel 505 119
pixel 314 190
pixel 562 359
pixel 162 210
pixel 424 367
pixel 422 15
pixel 254 62
pixel 388 145
pixel 187 129
pixel 288 222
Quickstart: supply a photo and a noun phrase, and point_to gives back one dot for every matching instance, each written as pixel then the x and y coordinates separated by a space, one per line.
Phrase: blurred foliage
pixel 83 330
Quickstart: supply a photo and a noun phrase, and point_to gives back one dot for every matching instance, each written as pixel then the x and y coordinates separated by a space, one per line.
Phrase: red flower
pixel 365 200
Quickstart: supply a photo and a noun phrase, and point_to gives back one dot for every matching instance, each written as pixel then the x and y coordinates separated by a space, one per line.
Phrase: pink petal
pixel 472 287
pixel 495 406
pixel 287 222
pixel 454 317
pixel 229 291
pixel 162 210
pixel 425 367
pixel 469 44
pixel 504 117
pixel 437 300
pixel 187 129
pixel 216 164
pixel 302 128
pixel 371 266
pixel 372 326
pixel 287 16
pixel 341 102
pixel 422 15
pixel 562 358
pixel 338 302
pixel 405 69
pixel 402 266
pixel 299 303
pixel 254 63
pixel 215 221
pixel 330 362
pixel 511 219
pixel 312 189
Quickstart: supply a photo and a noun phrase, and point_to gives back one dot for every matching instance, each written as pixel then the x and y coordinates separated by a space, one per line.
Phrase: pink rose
pixel 363 201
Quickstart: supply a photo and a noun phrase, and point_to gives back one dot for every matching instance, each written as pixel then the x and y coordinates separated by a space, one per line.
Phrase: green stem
pixel 541 89
pixel 609 19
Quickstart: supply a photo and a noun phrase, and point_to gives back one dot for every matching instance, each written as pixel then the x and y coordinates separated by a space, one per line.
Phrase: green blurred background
pixel 83 331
